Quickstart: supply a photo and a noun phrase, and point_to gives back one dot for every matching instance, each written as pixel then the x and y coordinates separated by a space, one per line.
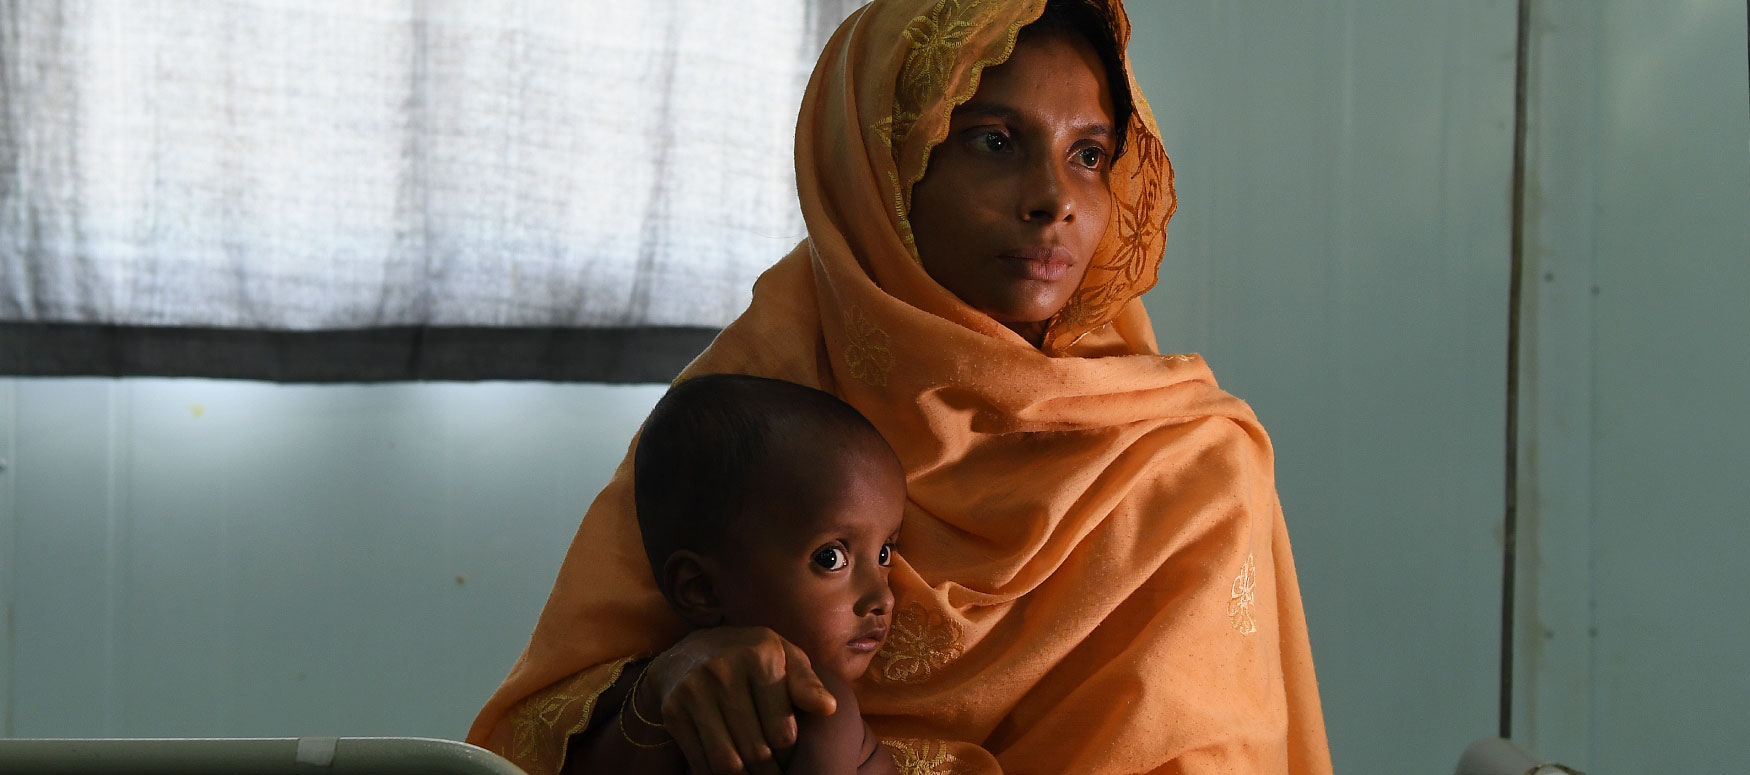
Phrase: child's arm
pixel 879 760
pixel 839 744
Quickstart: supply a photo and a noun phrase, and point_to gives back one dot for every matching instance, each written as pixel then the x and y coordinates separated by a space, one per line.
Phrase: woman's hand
pixel 728 696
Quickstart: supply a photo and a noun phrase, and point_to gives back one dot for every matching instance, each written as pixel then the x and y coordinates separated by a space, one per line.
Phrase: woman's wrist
pixel 642 730
pixel 645 698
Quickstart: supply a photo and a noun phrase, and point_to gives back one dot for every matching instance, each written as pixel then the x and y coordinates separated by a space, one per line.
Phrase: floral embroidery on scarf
pixel 895 127
pixel 868 353
pixel 1239 607
pixel 919 643
pixel 536 722
pixel 917 756
pixel 936 38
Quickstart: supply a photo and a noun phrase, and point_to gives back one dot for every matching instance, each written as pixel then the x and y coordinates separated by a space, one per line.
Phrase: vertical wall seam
pixel 8 552
pixel 1553 677
pixel 111 552
pixel 1596 75
pixel 1510 514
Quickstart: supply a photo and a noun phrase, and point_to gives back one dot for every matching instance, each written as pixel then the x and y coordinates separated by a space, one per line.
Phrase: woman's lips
pixel 1044 264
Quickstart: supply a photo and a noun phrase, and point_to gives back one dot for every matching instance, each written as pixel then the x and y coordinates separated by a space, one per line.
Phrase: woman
pixel 1094 575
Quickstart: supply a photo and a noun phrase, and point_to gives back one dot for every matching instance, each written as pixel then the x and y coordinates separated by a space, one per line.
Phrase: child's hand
pixel 728 696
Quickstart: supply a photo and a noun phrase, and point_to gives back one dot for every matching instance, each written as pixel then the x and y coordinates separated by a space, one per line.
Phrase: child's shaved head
pixel 768 504
pixel 710 448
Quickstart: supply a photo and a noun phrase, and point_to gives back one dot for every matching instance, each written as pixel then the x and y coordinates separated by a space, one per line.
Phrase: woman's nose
pixel 1044 195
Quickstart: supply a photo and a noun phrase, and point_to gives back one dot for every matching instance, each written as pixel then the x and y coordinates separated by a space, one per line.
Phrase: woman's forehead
pixel 1055 77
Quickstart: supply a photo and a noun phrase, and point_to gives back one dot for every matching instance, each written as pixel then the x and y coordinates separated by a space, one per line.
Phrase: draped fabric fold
pixel 1094 573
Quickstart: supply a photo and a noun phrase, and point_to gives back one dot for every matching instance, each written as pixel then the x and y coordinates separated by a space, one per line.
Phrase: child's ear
pixel 692 589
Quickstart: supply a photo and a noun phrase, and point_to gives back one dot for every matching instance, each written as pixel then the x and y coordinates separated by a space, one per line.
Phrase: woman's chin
pixel 1028 307
pixel 1029 320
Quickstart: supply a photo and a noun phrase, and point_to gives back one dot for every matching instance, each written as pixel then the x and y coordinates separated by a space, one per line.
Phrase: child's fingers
pixel 805 689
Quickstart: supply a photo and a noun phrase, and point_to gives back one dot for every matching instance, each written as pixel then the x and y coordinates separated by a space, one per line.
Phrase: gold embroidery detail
pixel 935 37
pixel 918 756
pixel 896 127
pixel 868 352
pixel 535 723
pixel 1239 607
pixel 900 209
pixel 919 643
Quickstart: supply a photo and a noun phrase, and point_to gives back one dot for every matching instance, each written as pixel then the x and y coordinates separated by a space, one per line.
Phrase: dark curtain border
pixel 611 355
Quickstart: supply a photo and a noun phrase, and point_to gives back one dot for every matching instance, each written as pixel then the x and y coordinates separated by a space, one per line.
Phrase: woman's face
pixel 1015 200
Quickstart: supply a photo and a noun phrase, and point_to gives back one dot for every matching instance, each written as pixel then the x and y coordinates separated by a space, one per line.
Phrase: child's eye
pixel 886 557
pixel 831 558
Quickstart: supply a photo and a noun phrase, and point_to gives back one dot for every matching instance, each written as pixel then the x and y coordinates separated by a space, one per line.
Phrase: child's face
pixel 809 557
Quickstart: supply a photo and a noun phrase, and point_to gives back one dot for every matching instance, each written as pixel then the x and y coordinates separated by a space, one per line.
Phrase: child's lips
pixel 870 641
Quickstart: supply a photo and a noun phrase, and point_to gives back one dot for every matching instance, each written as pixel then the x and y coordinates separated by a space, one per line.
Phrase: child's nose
pixel 875 596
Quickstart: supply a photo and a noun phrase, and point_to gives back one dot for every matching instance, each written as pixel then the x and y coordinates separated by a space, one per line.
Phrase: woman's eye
pixel 1090 157
pixel 831 558
pixel 886 557
pixel 994 142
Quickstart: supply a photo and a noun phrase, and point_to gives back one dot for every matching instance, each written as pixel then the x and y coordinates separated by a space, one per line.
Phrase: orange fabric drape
pixel 1094 575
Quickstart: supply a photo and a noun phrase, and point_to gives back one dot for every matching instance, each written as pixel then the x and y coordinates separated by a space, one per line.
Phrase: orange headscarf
pixel 1094 575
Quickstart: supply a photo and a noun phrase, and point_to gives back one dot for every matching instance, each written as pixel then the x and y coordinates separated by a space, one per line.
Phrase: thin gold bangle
pixel 632 699
pixel 622 717
pixel 629 739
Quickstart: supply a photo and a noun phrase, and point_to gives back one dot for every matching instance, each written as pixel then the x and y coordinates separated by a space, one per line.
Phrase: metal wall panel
pixel 1341 256
pixel 1641 665
pixel 1672 358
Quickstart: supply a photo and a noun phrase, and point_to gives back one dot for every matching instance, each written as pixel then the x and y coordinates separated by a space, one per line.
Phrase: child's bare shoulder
pixel 840 743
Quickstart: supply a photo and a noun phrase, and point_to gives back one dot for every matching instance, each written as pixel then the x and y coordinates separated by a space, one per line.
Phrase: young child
pixel 767 503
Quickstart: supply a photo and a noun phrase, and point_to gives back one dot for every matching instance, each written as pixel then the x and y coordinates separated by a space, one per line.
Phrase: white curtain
pixel 296 165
